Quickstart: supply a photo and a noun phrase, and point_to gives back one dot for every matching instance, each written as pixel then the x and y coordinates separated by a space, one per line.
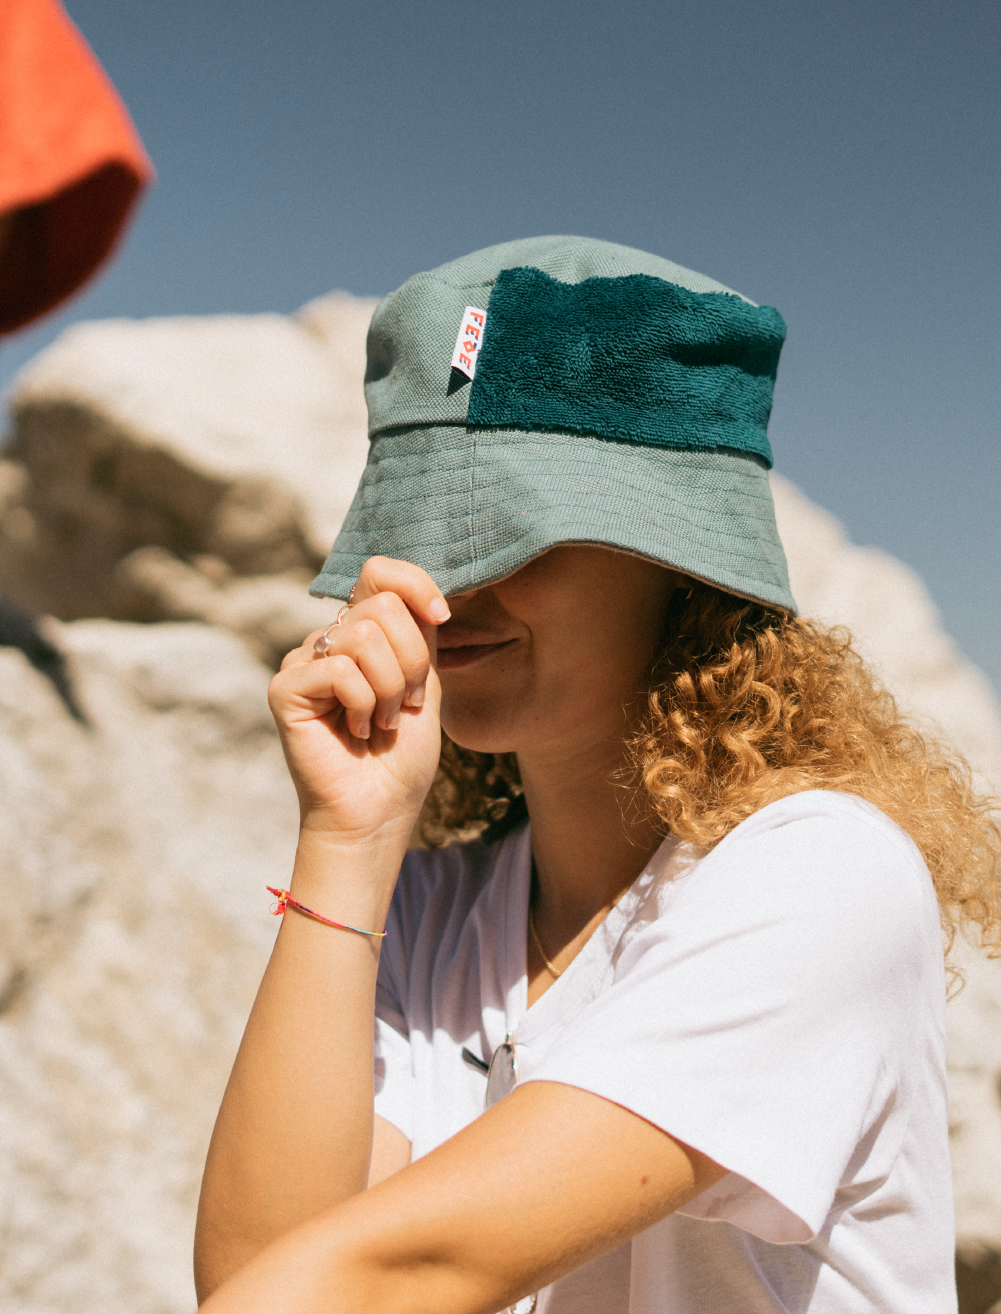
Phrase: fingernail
pixel 364 730
pixel 394 722
pixel 417 698
pixel 439 610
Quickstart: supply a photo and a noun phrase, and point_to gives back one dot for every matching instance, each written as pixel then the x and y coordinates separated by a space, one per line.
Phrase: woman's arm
pixel 390 1151
pixel 294 1133
pixel 548 1179
pixel 360 731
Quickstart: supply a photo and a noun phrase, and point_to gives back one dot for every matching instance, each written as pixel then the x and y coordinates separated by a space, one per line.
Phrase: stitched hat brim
pixel 471 506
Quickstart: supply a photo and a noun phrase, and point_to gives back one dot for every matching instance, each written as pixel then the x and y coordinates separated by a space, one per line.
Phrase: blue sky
pixel 838 161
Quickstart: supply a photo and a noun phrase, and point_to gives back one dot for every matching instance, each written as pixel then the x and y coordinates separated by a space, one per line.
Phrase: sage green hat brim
pixel 471 506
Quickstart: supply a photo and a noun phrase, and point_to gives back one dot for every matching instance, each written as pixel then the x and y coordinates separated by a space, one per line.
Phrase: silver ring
pixel 323 642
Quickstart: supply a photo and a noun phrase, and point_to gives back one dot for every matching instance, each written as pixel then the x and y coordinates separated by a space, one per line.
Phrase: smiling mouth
pixel 453 658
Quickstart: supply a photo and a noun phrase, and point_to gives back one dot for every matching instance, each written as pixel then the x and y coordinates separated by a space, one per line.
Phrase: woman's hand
pixel 359 725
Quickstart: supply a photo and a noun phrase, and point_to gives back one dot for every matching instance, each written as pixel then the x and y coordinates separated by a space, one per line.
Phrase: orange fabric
pixel 71 163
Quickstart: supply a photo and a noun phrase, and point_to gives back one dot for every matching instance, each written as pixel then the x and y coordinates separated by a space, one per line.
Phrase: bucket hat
pixel 567 390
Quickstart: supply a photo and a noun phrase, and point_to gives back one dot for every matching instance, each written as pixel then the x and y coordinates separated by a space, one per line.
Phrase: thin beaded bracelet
pixel 285 901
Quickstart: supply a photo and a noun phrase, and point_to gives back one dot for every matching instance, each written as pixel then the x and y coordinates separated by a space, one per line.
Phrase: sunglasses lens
pixel 503 1074
pixel 524 1306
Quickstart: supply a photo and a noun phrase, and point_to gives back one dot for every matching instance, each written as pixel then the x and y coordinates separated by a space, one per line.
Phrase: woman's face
pixel 551 656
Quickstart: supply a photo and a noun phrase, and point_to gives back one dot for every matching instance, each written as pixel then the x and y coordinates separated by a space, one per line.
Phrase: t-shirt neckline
pixel 581 979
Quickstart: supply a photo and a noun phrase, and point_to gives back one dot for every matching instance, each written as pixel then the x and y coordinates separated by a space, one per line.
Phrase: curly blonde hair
pixel 745 705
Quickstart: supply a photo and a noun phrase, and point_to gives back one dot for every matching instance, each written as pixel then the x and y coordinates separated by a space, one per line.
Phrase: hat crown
pixel 570 260
pixel 576 335
pixel 411 327
pixel 567 390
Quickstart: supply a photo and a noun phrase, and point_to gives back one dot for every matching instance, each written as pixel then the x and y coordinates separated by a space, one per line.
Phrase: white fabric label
pixel 469 341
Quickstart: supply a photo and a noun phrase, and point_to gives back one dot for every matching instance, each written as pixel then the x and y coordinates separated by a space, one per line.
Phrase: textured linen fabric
pixel 473 502
pixel 472 509
pixel 777 1003
pixel 635 358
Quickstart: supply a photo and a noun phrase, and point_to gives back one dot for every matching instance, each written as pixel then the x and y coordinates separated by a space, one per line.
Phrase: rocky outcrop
pixel 134 851
pixel 271 613
pixel 232 440
pixel 144 804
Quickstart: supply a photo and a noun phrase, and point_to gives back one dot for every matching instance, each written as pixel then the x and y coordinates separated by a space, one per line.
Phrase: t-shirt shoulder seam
pixel 858 808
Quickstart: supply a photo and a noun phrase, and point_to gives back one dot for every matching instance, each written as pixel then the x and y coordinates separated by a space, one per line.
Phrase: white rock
pixel 242 437
pixel 225 395
pixel 271 613
pixel 139 846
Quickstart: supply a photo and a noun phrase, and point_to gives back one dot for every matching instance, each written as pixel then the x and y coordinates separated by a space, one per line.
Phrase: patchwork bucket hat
pixel 566 390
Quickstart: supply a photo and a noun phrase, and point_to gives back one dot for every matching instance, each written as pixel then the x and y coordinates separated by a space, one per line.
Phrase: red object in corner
pixel 71 163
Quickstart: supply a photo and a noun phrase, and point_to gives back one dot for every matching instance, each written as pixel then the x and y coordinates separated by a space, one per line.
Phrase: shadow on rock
pixel 978 1279
pixel 19 629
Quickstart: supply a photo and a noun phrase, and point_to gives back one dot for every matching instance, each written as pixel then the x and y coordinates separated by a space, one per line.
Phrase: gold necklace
pixel 538 944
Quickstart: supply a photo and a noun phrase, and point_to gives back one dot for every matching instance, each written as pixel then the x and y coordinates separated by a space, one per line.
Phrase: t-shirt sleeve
pixel 762 1017
pixel 395 1087
pixel 394 1078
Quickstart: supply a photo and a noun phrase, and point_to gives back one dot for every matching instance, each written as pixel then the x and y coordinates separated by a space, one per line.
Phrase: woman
pixel 707 976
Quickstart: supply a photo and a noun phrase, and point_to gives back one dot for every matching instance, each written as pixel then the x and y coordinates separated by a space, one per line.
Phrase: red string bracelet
pixel 285 901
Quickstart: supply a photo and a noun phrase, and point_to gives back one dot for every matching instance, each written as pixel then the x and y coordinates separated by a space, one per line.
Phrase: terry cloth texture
pixel 569 452
pixel 635 358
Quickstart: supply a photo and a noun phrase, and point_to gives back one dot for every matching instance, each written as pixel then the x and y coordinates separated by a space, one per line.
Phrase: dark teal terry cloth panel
pixel 634 358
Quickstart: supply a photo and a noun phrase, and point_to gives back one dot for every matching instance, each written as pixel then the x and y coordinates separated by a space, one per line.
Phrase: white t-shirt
pixel 778 1003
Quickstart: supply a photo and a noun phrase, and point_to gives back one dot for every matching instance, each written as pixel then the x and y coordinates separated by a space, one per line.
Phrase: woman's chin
pixel 480 735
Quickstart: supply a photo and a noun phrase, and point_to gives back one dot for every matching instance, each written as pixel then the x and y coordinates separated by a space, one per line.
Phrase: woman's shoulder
pixel 838 821
pixel 824 847
pixel 449 862
pixel 819 884
pixel 451 876
pixel 830 810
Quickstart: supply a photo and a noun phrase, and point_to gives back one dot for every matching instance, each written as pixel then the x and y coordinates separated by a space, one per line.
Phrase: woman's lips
pixel 451 657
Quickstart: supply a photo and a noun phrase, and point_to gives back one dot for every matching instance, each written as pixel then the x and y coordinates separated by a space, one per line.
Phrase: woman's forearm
pixel 544 1181
pixel 294 1133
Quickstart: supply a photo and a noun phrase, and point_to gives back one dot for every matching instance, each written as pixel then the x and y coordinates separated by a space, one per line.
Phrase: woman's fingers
pixel 367 644
pixel 310 690
pixel 389 633
pixel 355 694
pixel 387 649
pixel 395 593
pixel 361 672
pixel 409 642
pixel 414 586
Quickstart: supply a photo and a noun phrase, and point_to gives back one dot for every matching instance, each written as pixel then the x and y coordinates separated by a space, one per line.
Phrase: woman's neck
pixel 588 844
